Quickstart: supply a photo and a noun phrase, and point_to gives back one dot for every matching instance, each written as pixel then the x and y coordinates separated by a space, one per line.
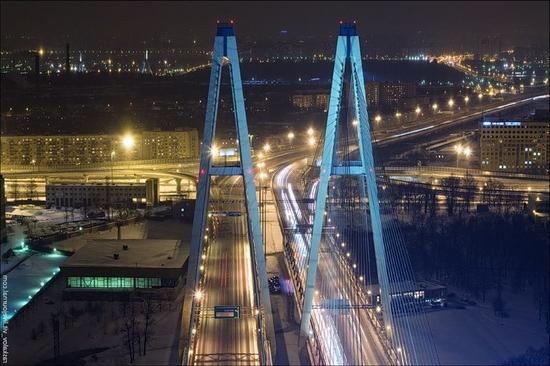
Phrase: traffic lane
pixel 229 284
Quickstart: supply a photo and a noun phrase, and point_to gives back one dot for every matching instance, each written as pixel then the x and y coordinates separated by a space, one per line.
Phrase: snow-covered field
pixel 475 336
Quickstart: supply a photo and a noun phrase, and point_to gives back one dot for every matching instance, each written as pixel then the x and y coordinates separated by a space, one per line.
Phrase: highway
pixel 386 137
pixel 228 280
pixel 350 339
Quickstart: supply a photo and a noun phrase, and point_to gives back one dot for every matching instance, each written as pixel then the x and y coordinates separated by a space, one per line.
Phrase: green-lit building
pixel 117 269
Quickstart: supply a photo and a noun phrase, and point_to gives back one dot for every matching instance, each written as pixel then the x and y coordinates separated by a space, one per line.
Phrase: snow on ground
pixel 475 336
pixel 26 279
pixel 97 327
pixel 131 231
pixel 51 215
pixel 89 332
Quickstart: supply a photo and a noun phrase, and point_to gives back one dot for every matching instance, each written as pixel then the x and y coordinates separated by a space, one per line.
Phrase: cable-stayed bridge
pixel 352 279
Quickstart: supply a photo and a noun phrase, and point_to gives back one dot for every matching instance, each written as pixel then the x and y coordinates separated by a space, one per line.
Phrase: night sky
pixel 517 22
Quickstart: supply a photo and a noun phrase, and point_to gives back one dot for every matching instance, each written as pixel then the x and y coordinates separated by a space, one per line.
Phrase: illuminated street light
pixel 480 96
pixel 214 151
pixel 458 148
pixel 434 107
pixel 41 52
pixel 378 118
pixel 128 142
pixel 466 99
pixel 311 141
pixel 267 147
pixel 290 136
pixel 451 103
pixel 198 295
pixel 462 150
pixel 397 114
pixel 417 110
pixel 310 131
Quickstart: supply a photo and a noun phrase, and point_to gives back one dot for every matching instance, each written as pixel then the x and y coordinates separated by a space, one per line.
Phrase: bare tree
pixel 450 187
pixel 469 187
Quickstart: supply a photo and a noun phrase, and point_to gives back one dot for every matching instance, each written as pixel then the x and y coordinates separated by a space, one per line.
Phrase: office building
pixel 516 146
pixel 94 194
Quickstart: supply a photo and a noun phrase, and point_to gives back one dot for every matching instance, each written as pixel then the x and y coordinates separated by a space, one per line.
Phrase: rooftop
pixel 141 254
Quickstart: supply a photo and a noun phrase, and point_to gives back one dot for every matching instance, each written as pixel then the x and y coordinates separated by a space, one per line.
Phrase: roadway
pixel 385 137
pixel 228 279
pixel 350 339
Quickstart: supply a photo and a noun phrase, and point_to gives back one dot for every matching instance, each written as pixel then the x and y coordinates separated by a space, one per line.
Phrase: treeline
pixel 461 195
pixel 479 253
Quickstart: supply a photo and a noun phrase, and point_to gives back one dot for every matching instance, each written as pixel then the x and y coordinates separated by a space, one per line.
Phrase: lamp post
pixel 290 137
pixel 451 103
pixel 480 97
pixel 462 150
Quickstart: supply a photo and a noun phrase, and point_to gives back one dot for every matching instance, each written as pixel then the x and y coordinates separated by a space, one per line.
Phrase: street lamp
pixel 466 99
pixel 267 147
pixel 311 141
pixel 128 142
pixel 417 110
pixel 451 103
pixel 290 136
pixel 310 131
pixel 480 97
pixel 378 118
pixel 434 107
pixel 462 150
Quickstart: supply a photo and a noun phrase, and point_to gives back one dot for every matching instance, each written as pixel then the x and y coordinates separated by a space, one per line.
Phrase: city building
pixel 516 146
pixel 389 95
pixel 94 194
pixel 170 144
pixel 310 100
pixel 395 94
pixel 423 291
pixel 115 269
pixel 52 150
pixel 373 94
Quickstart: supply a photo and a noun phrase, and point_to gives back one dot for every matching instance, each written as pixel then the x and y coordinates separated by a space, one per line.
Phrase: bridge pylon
pixel 225 54
pixel 347 52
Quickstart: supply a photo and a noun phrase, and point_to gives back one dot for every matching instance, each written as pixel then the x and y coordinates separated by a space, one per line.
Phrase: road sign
pixel 227 312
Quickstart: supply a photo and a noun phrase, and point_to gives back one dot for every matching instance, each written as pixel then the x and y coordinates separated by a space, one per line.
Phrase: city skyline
pixel 275 183
pixel 424 25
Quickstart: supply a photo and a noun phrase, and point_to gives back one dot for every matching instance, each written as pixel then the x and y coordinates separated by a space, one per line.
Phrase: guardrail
pixel 477 172
pixel 118 164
